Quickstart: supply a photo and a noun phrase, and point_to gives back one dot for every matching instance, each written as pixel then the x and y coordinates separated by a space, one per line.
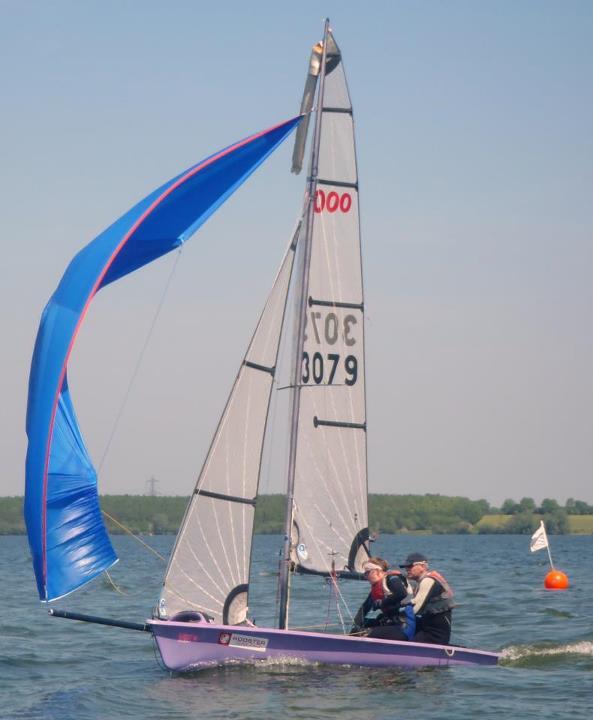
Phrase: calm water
pixel 53 668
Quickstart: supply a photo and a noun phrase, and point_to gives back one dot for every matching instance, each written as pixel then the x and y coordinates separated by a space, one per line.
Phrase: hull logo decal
pixel 187 637
pixel 247 642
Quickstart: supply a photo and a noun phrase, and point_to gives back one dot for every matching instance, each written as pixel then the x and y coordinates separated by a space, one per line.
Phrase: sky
pixel 475 148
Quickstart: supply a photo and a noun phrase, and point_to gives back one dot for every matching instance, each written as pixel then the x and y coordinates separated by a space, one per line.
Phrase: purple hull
pixel 189 646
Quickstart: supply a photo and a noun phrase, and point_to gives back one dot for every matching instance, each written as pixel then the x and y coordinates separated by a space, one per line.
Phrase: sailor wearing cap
pixel 432 601
pixel 388 589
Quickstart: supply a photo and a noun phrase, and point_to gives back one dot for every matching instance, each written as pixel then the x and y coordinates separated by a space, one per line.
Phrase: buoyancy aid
pixel 380 589
pixel 439 603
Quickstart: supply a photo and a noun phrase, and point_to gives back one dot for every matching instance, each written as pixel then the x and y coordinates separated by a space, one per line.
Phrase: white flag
pixel 539 539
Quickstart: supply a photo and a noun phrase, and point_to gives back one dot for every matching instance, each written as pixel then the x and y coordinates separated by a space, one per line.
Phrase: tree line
pixel 157 515
pixel 572 507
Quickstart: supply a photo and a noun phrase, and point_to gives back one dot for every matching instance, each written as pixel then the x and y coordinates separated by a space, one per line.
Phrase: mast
pixel 330 508
pixel 297 365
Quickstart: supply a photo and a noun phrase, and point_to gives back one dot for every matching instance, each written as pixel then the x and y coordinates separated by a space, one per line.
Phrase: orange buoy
pixel 556 580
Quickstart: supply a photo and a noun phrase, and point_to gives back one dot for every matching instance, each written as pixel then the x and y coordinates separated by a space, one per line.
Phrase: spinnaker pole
pixel 297 365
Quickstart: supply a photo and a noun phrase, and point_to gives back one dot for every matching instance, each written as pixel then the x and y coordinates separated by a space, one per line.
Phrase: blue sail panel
pixel 68 540
pixel 76 543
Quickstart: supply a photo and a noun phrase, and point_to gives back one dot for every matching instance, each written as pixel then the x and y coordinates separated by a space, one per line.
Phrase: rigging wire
pixel 277 603
pixel 140 360
pixel 339 594
pixel 331 595
pixel 334 581
pixel 335 595
pixel 126 397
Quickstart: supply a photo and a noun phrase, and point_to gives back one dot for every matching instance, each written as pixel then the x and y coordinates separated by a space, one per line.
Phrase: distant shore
pixel 390 514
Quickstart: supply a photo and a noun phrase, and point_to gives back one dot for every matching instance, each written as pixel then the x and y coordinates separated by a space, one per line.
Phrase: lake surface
pixel 59 669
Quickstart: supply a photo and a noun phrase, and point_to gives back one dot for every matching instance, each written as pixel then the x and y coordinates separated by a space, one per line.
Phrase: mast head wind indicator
pixel 332 60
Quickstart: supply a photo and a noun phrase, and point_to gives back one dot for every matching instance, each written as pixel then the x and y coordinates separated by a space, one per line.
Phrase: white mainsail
pixel 208 569
pixel 330 521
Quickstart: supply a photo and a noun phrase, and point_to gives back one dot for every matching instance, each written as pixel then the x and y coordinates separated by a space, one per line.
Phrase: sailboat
pixel 316 309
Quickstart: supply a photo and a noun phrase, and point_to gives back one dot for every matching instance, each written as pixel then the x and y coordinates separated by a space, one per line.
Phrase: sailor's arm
pixel 365 608
pixel 422 595
pixel 399 591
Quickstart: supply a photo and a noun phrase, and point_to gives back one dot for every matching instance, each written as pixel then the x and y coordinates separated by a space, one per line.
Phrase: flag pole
pixel 539 540
pixel 548 547
pixel 555 579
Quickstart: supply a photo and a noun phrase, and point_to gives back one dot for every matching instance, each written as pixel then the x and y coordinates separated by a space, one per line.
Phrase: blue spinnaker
pixel 67 536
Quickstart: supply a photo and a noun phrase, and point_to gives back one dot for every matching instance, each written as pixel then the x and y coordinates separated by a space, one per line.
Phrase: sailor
pixel 432 602
pixel 389 589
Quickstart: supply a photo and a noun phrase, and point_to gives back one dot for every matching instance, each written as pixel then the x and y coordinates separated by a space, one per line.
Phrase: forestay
pixel 209 568
pixel 330 498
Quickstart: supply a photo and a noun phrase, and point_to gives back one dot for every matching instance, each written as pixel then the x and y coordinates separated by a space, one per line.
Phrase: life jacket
pixel 380 590
pixel 439 603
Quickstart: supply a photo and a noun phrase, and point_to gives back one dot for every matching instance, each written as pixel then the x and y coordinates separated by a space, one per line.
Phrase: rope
pixel 338 609
pixel 140 359
pixel 334 594
pixel 113 584
pixel 330 597
pixel 127 529
pixel 313 627
pixel 358 633
pixel 125 402
pixel 340 596
pixel 277 603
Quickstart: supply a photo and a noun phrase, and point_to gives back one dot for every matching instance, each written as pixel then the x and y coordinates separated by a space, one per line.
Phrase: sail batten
pixel 336 303
pixel 227 498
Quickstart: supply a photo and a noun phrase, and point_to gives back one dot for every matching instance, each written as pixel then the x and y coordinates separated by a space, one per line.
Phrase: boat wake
pixel 545 655
pixel 270 665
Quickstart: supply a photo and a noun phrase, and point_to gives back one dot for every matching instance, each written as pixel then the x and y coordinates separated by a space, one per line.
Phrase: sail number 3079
pixel 320 370
pixel 329 329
